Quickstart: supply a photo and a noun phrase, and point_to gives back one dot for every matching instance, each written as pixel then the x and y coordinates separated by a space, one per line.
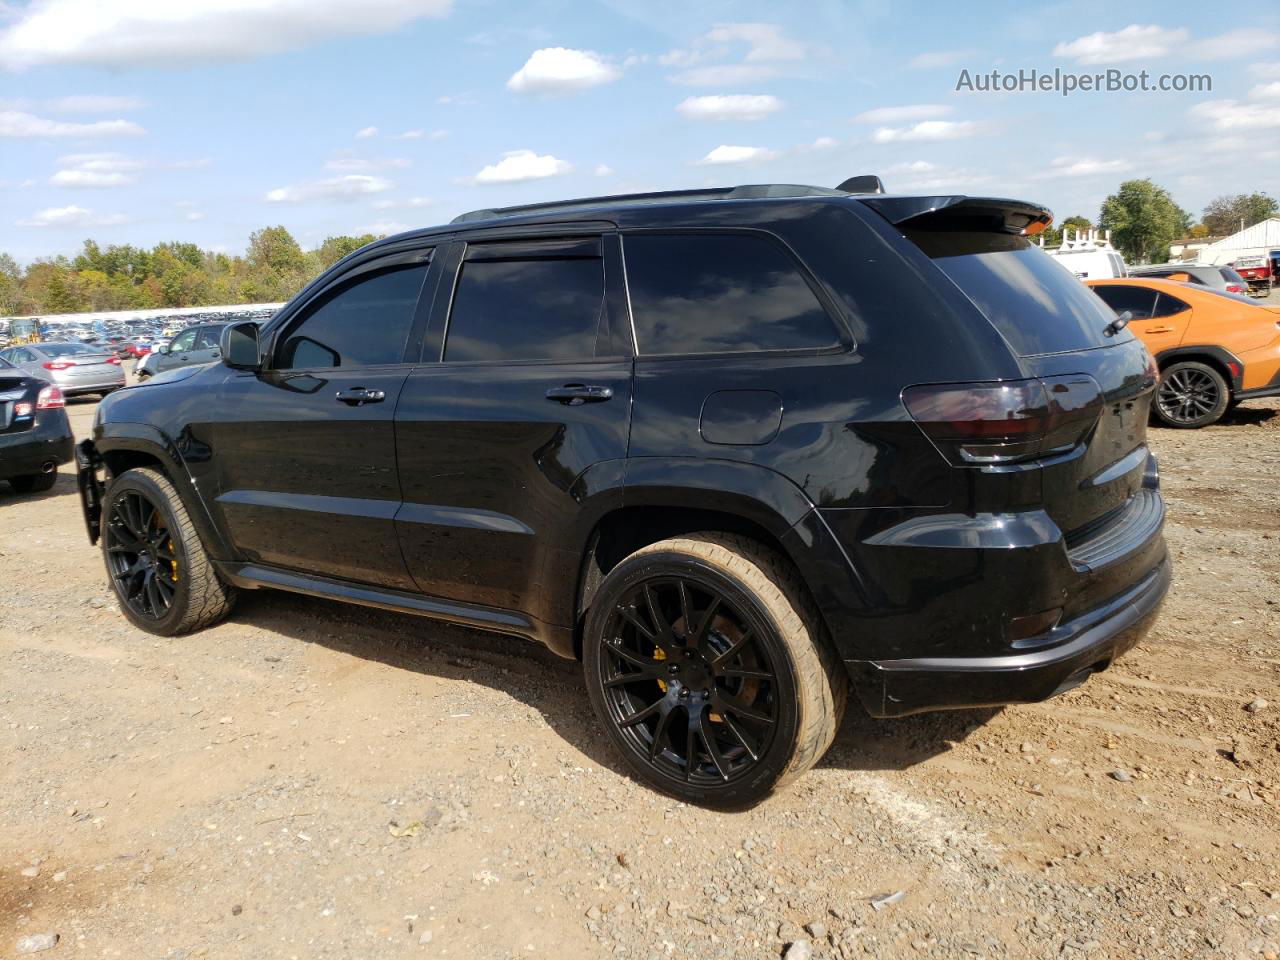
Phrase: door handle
pixel 576 394
pixel 356 396
pixel 1160 330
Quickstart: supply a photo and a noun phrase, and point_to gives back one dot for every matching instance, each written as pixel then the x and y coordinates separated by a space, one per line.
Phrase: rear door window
pixel 1167 306
pixel 540 300
pixel 1139 301
pixel 1035 304
pixel 721 293
pixel 207 338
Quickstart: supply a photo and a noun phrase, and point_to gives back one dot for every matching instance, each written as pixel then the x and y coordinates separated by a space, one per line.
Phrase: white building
pixel 1260 240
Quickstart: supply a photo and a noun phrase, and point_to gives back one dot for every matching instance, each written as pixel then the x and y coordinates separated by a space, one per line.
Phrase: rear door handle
pixel 355 396
pixel 576 394
pixel 1160 330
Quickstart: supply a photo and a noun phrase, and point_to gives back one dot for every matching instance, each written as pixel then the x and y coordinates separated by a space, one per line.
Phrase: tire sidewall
pixel 1213 416
pixel 770 767
pixel 135 481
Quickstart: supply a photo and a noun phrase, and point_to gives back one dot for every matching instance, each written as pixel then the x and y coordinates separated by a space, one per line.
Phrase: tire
pixel 762 649
pixel 193 596
pixel 34 482
pixel 1191 395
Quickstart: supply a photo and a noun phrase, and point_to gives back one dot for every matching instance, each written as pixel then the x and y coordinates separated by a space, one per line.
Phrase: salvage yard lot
pixel 314 780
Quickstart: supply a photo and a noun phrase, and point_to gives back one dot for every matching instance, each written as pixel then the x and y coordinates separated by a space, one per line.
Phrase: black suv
pixel 735 449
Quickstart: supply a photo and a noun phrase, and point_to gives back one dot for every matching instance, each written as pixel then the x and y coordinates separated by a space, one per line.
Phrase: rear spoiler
pixel 983 214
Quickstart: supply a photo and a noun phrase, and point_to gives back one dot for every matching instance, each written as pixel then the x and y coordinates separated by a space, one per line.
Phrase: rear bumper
pixel 30 451
pixel 69 387
pixel 894 688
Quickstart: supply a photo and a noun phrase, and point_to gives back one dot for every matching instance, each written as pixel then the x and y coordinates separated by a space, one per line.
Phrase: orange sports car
pixel 1214 349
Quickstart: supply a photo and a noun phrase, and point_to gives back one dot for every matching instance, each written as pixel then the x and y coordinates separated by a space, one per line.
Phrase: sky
pixel 139 121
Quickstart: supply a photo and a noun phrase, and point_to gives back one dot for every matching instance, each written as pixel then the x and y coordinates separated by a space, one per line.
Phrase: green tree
pixel 1077 223
pixel 1231 212
pixel 335 248
pixel 60 295
pixel 1143 220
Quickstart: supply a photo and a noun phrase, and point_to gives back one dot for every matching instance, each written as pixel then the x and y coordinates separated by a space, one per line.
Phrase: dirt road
pixel 312 780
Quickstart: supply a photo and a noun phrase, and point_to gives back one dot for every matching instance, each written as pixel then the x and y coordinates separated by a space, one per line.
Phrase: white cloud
pixel 559 70
pixel 145 33
pixel 71 216
pixel 734 106
pixel 1266 91
pixel 95 103
pixel 725 154
pixel 1134 42
pixel 1266 71
pixel 824 143
pixel 366 133
pixel 913 167
pixel 15 123
pixel 939 58
pixel 1081 167
pixel 765 41
pixel 1234 43
pixel 517 165
pixel 725 75
pixel 1234 115
pixel 193 215
pixel 926 130
pixel 915 111
pixel 411 203
pixel 95 170
pixel 603 170
pixel 351 187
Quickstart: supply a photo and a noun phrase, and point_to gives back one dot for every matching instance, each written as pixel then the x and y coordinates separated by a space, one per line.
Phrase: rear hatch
pixel 1062 334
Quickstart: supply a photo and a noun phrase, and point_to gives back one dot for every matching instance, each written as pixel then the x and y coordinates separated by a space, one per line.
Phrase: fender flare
pixel 749 491
pixel 150 440
pixel 1224 357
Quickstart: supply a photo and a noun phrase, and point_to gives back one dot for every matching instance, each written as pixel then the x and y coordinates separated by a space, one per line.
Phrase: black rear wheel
pixel 1191 395
pixel 708 666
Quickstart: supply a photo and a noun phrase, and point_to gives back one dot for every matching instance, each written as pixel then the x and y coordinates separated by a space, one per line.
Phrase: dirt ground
pixel 313 780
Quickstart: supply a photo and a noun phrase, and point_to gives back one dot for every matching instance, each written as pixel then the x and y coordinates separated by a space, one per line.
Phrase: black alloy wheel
pixel 1191 395
pixel 688 682
pixel 142 558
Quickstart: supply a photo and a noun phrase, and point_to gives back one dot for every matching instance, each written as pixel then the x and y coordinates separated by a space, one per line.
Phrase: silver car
pixel 74 367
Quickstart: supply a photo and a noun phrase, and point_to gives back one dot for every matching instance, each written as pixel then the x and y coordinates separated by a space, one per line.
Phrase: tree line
pixel 176 274
pixel 1142 217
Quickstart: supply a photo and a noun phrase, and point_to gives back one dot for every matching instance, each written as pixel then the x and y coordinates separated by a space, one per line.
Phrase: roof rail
pixel 744 192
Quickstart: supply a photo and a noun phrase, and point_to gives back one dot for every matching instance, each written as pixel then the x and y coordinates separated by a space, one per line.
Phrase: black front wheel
pixel 1191 395
pixel 158 568
pixel 709 666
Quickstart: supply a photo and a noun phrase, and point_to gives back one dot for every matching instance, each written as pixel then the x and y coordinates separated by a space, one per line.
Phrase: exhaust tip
pixel 48 466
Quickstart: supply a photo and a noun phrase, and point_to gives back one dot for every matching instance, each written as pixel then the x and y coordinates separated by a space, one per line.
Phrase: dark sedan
pixel 35 435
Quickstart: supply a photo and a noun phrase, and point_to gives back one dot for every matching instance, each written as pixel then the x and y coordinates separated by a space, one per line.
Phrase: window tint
pixel 709 293
pixel 526 309
pixel 1167 306
pixel 208 338
pixel 365 321
pixel 1035 304
pixel 4 364
pixel 183 341
pixel 1140 301
pixel 1230 275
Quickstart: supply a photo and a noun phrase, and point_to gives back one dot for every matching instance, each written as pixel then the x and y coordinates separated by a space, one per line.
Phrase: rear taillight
pixel 58 365
pixel 50 398
pixel 1234 288
pixel 22 409
pixel 977 424
pixel 115 360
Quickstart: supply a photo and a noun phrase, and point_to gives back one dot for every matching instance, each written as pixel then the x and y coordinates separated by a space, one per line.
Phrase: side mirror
pixel 239 346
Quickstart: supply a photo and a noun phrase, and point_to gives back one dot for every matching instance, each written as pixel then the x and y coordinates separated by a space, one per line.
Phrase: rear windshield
pixel 1230 275
pixel 1034 302
pixel 1237 297
pixel 66 349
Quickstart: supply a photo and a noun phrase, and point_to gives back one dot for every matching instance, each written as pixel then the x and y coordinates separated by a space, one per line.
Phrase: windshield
pixel 1037 305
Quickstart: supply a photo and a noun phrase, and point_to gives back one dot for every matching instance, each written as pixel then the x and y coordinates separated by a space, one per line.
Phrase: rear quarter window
pixel 1037 306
